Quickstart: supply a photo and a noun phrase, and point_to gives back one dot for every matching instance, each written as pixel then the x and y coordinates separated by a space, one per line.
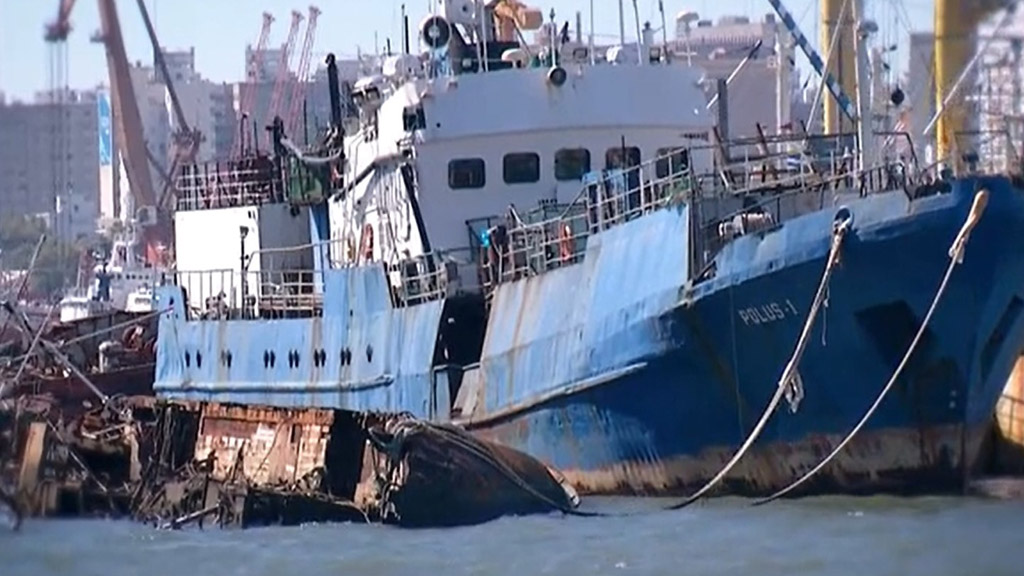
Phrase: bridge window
pixel 464 173
pixel 521 168
pixel 571 163
pixel 622 157
pixel 671 162
pixel 413 119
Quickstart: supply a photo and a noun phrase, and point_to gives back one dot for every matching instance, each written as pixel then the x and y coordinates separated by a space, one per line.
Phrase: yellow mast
pixel 956 22
pixel 842 60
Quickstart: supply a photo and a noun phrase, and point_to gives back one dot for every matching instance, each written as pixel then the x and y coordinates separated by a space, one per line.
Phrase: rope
pixel 956 255
pixel 789 376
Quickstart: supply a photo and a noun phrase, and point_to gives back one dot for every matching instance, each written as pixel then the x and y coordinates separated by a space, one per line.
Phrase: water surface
pixel 821 536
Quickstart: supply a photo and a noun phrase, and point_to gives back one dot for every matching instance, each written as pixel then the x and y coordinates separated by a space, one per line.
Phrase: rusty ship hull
pixel 648 387
pixel 670 396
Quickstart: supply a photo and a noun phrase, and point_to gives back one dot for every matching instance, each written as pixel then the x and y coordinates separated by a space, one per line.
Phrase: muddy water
pixel 865 536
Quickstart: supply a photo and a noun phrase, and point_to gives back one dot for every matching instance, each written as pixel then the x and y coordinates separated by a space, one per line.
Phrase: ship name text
pixel 767 313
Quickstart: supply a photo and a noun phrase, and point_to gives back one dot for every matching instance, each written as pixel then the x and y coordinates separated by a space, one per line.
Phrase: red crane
pixel 58 30
pixel 282 70
pixel 248 88
pixel 185 141
pixel 291 121
pixel 156 232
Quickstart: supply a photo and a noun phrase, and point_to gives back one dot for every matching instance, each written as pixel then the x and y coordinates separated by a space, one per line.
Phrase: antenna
pixel 664 32
pixel 405 31
pixel 590 36
pixel 687 19
pixel 640 45
pixel 622 24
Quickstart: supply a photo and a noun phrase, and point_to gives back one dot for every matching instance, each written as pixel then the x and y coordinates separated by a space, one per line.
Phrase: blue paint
pixel 320 236
pixel 709 375
pixel 377 359
pixel 105 129
pixel 617 365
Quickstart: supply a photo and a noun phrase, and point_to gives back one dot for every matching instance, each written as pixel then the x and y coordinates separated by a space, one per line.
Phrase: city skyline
pixel 184 24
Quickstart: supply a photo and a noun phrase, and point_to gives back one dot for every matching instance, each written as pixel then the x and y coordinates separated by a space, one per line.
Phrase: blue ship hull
pixel 627 379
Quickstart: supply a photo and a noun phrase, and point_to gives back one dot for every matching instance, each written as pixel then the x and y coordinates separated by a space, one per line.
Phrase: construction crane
pixel 56 35
pixel 155 227
pixel 291 121
pixel 282 71
pixel 185 141
pixel 248 88
pixel 155 230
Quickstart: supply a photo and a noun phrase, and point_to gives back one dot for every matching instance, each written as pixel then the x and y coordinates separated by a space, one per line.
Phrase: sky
pixel 220 29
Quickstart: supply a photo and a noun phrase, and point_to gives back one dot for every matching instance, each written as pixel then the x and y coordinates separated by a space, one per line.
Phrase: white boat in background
pixel 123 283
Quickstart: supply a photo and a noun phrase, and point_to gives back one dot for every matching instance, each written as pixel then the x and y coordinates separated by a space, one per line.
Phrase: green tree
pixel 57 264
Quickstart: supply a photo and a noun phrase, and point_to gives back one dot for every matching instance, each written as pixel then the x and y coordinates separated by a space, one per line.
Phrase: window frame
pixel 453 165
pixel 585 168
pixel 534 171
pixel 630 160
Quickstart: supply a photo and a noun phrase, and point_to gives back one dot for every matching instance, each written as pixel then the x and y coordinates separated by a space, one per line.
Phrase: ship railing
pixel 230 294
pixel 431 276
pixel 724 219
pixel 758 170
pixel 250 181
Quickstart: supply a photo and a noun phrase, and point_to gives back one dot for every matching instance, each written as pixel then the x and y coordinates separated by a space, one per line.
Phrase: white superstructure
pixel 443 144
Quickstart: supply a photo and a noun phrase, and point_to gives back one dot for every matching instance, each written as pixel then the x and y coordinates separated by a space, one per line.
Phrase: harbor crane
pixel 185 140
pixel 291 121
pixel 153 212
pixel 245 108
pixel 282 71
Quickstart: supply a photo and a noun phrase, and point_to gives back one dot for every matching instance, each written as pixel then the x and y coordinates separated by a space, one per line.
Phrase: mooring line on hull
pixel 789 375
pixel 956 256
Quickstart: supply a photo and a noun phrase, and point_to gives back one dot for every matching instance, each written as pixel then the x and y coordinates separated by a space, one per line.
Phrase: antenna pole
pixel 405 31
pixel 664 32
pixel 590 36
pixel 622 24
pixel 640 45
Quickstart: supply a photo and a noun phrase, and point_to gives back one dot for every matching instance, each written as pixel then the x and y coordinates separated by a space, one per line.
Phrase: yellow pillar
pixel 841 62
pixel 956 22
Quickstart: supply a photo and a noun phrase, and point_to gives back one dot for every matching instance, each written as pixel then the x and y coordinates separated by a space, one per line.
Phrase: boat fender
pixel 557 76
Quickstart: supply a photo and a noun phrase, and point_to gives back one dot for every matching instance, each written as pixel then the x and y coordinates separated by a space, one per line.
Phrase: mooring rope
pixel 789 376
pixel 956 256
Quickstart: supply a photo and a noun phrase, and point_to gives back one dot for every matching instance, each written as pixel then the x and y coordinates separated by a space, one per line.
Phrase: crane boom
pixel 248 90
pixel 128 125
pixel 299 87
pixel 282 70
pixel 186 140
pixel 59 29
pixel 845 104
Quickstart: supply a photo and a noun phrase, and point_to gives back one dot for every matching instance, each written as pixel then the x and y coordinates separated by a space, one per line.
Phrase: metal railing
pixel 751 185
pixel 248 181
pixel 261 294
pixel 230 294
